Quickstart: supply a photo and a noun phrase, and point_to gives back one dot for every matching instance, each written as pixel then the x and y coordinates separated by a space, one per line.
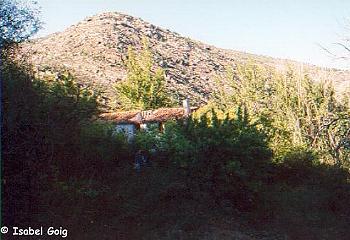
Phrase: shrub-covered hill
pixel 94 50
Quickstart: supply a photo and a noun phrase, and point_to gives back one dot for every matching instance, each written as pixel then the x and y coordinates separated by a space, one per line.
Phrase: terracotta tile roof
pixel 165 114
pixel 158 115
pixel 119 117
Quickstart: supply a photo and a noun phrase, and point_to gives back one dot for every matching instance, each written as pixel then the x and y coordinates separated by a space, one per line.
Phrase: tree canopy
pixel 19 20
pixel 145 86
pixel 293 109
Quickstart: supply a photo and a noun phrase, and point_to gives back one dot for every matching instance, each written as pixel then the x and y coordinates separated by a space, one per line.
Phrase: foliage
pixel 143 88
pixel 292 109
pixel 100 148
pixel 18 20
pixel 225 157
pixel 147 139
pixel 57 163
pixel 40 133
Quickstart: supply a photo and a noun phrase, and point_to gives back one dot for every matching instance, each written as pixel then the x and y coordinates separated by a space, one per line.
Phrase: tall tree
pixel 145 86
pixel 294 110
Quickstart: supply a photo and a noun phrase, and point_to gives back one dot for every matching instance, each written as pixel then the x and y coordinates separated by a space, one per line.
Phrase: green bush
pixel 225 157
pixel 41 124
pixel 100 148
pixel 147 139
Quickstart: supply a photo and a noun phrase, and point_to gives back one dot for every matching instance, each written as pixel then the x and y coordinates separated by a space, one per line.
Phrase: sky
pixel 289 29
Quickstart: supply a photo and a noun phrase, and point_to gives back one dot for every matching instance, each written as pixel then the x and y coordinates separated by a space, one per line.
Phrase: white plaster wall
pixel 127 129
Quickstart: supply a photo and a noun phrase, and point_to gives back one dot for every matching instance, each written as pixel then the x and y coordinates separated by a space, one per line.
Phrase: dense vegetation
pixel 272 151
pixel 293 110
pixel 44 136
pixel 240 155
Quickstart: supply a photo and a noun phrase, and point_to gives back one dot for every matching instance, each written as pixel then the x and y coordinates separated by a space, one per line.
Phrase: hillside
pixel 276 168
pixel 94 49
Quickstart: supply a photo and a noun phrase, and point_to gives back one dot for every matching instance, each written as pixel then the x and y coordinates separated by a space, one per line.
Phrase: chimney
pixel 137 118
pixel 186 106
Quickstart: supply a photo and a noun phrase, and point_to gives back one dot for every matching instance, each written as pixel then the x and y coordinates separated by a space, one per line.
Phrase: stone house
pixel 128 122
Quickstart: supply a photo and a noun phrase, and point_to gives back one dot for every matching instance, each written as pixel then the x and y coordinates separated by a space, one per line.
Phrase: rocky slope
pixel 94 49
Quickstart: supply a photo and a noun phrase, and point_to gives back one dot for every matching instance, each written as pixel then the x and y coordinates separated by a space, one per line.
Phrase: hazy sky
pixel 291 29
